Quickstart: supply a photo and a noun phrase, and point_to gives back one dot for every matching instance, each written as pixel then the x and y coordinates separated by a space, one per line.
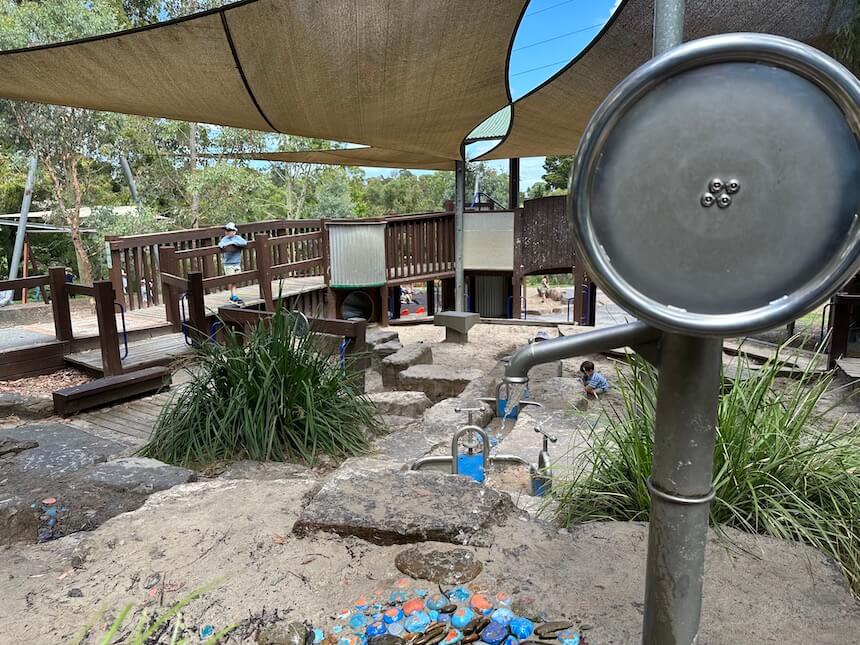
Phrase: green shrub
pixel 273 394
pixel 780 468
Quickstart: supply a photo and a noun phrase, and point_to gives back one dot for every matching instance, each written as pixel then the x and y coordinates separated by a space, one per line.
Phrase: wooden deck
pixel 851 366
pixel 129 423
pixel 162 350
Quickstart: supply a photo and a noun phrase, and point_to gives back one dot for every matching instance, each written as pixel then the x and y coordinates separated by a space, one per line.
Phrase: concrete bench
pixel 457 324
pixel 111 389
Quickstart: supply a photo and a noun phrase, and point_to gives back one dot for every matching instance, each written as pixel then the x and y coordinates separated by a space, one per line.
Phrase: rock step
pixel 400 403
pixel 437 381
pixel 409 355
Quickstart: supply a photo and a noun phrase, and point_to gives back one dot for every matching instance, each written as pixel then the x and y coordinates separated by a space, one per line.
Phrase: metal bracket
pixel 677 499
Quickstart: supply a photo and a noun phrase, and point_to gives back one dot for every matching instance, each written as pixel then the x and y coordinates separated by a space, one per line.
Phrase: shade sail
pixel 372 157
pixel 409 75
pixel 550 120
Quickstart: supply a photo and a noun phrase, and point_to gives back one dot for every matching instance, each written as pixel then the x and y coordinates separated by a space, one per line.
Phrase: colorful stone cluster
pixel 417 617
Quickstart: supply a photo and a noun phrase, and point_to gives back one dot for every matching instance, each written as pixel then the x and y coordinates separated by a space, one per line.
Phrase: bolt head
pixel 724 201
pixel 708 200
pixel 716 185
pixel 733 186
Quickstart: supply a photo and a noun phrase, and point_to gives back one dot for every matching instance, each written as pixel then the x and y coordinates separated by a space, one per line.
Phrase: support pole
pixel 680 486
pixel 668 25
pixel 459 206
pixel 513 183
pixel 18 249
pixel 132 184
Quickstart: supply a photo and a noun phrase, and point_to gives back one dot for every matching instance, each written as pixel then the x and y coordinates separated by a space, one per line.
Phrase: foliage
pixel 274 393
pixel 846 45
pixel 149 629
pixel 781 469
pixel 557 172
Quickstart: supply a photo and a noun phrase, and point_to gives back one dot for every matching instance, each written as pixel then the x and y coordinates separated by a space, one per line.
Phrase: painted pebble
pixel 503 599
pixel 494 633
pixel 569 637
pixel 392 615
pixel 417 622
pixel 462 617
pixel 510 640
pixel 437 601
pixel 396 629
pixel 522 628
pixel 413 606
pixel 503 616
pixel 459 594
pixel 375 629
pixel 397 596
pixel 318 635
pixel 357 621
pixel 362 603
pixel 480 604
pixel 453 637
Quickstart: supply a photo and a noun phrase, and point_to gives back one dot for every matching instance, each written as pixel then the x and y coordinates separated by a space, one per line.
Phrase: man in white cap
pixel 231 246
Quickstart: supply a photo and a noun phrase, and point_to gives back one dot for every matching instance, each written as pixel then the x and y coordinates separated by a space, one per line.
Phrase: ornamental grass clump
pixel 780 467
pixel 275 393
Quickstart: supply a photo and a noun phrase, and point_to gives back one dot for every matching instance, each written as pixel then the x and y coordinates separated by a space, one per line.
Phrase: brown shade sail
pixel 550 120
pixel 371 157
pixel 411 75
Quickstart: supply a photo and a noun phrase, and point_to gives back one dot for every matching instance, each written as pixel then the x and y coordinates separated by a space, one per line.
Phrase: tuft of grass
pixel 277 393
pixel 780 468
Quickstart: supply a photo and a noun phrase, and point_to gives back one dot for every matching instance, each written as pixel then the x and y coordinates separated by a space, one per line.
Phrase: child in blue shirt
pixel 594 382
pixel 231 246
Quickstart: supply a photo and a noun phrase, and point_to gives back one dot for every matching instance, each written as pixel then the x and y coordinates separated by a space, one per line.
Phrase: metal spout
pixel 628 334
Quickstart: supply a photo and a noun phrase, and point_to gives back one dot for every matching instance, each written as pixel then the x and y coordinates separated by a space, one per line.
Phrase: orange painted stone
pixel 480 604
pixel 412 606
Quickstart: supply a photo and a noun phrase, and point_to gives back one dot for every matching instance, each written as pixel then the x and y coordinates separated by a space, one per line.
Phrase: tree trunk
pixel 73 218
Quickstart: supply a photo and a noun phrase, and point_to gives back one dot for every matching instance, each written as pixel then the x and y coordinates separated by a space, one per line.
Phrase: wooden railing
pixel 22 284
pixel 419 247
pixel 135 263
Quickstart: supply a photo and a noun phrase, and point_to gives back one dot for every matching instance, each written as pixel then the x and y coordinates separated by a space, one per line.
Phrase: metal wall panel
pixel 489 241
pixel 490 295
pixel 357 254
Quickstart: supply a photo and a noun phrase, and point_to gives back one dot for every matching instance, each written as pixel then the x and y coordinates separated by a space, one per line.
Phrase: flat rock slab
pixel 443 419
pixel 392 366
pixel 25 407
pixel 404 507
pixel 379 335
pixel 403 446
pixel 437 381
pixel 450 567
pixel 62 449
pixel 383 351
pixel 265 471
pixel 138 474
pixel 400 403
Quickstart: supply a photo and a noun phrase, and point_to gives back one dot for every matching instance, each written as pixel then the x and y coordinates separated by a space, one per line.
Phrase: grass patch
pixel 277 393
pixel 780 468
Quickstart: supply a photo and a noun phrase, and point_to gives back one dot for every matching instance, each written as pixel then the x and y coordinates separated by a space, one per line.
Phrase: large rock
pixel 404 507
pixel 265 470
pixel 404 446
pixel 448 567
pixel 18 522
pixel 25 407
pixel 437 381
pixel 376 336
pixel 400 403
pixel 383 351
pixel 62 449
pixel 392 366
pixel 443 419
pixel 138 474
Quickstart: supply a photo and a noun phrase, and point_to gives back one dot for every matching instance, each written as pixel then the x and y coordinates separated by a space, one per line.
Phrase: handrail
pixel 80 290
pixel 25 283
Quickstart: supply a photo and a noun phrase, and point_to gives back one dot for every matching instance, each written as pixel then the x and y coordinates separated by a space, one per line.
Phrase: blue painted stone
pixel 569 637
pixel 453 637
pixel 396 629
pixel 318 635
pixel 522 628
pixel 378 616
pixel 417 622
pixel 421 593
pixel 459 594
pixel 397 596
pixel 436 601
pixel 344 614
pixel 443 618
pixel 52 512
pixel 510 640
pixel 462 617
pixel 206 632
pixel 393 615
pixel 337 629
pixel 378 606
pixel 434 615
pixel 503 616
pixel 494 633
pixel 357 621
pixel 376 628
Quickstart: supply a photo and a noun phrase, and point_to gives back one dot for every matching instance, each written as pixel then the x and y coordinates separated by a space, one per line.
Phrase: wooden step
pixel 109 390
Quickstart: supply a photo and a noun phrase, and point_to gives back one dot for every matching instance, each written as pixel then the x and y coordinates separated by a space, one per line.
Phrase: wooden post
pixel 431 297
pixel 60 304
pixel 326 261
pixel 330 303
pixel 355 355
pixel 196 306
pixel 448 294
pixel 108 337
pixel 168 263
pixel 115 271
pixel 264 269
pixel 383 312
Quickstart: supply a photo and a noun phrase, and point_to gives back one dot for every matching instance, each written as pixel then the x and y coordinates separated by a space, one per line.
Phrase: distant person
pixel 231 246
pixel 594 383
pixel 543 289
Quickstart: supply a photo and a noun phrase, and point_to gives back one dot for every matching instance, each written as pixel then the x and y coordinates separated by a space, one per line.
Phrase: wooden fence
pixel 135 263
pixel 419 247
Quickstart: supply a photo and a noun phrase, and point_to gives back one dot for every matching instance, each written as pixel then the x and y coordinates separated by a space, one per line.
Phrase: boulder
pixel 447 567
pixel 404 446
pixel 24 406
pixel 395 423
pixel 393 365
pixel 443 419
pixel 137 474
pixel 405 507
pixel 376 336
pixel 18 522
pixel 400 403
pixel 384 350
pixel 437 381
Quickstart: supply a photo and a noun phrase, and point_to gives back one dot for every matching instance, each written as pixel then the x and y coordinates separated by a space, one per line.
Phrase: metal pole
pixel 132 184
pixel 684 437
pixel 6 297
pixel 459 206
pixel 513 183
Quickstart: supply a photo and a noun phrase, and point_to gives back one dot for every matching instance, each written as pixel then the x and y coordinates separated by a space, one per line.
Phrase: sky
pixel 551 33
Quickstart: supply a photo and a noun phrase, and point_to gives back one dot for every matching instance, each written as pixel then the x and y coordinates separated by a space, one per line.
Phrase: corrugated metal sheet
pixel 493 127
pixel 490 295
pixel 357 254
pixel 488 242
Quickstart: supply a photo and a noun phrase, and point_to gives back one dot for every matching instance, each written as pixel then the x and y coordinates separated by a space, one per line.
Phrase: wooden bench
pixel 457 324
pixel 111 389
